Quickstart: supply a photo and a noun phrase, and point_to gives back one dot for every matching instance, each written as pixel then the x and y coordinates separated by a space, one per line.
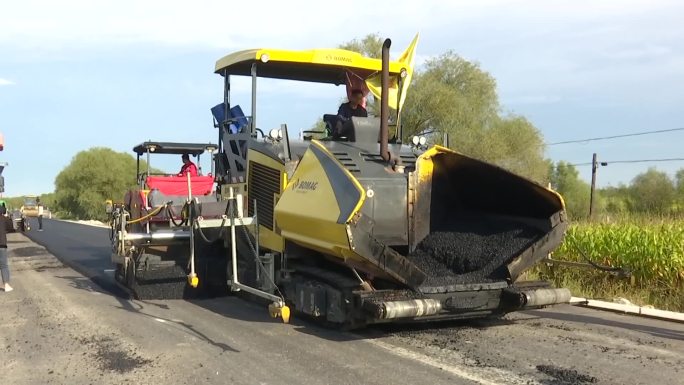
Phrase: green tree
pixel 453 95
pixel 92 177
pixel 653 192
pixel 566 180
pixel 618 200
pixel 679 185
pixel 370 45
pixel 679 180
pixel 13 203
pixel 48 199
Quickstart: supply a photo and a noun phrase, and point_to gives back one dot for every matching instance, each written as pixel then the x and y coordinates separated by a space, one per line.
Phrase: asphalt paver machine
pixel 353 228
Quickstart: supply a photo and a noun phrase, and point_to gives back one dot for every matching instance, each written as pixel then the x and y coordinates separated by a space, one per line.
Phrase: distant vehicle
pixel 30 207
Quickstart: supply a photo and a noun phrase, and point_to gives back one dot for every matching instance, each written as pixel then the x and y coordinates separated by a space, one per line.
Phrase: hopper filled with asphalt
pixel 480 223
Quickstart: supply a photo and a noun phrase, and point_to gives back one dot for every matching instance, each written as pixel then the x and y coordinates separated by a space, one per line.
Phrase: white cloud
pixel 211 23
pixel 533 48
pixel 6 82
pixel 70 24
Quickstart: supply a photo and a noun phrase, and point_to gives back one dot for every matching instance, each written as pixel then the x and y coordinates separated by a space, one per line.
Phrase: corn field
pixel 653 250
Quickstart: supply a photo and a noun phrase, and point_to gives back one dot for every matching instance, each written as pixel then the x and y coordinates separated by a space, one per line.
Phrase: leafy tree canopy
pixel 92 177
pixel 652 191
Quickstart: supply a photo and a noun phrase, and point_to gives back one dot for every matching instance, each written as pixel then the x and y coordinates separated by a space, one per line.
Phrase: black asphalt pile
pixel 471 249
pixel 168 282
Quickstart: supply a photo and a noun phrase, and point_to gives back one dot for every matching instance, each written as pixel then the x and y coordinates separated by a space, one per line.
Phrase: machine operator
pixel 188 166
pixel 347 110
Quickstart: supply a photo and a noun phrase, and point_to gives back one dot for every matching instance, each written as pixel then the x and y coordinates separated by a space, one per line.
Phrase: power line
pixel 616 136
pixel 605 163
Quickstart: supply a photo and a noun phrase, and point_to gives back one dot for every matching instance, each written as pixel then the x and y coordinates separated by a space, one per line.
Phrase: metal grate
pixel 407 160
pixel 264 183
pixel 346 161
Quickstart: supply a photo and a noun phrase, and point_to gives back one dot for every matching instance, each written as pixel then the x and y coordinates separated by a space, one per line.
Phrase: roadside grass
pixel 651 248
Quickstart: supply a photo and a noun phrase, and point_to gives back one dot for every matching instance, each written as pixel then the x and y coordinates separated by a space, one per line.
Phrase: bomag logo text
pixel 339 58
pixel 306 185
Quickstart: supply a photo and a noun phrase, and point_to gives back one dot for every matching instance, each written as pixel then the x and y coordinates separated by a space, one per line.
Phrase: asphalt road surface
pixel 84 248
pixel 229 340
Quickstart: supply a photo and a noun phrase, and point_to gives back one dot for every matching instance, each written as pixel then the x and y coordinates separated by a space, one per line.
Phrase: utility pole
pixel 594 168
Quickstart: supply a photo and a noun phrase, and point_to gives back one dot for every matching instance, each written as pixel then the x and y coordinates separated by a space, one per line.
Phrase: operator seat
pixel 236 120
pixel 363 130
pixel 347 133
pixel 231 161
pixel 359 130
pixel 330 121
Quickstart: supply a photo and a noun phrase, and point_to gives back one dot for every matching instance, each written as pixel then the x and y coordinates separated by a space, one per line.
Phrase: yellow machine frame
pixel 315 65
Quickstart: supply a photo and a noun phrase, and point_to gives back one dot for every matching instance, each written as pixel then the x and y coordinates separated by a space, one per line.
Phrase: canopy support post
pixel 254 90
pixel 400 132
pixel 137 169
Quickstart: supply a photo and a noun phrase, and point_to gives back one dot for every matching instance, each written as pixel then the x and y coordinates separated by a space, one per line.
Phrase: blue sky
pixel 76 74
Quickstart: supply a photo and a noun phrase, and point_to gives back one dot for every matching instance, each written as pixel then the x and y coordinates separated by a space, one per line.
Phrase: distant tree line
pixel 652 192
pixel 15 203
pixel 83 186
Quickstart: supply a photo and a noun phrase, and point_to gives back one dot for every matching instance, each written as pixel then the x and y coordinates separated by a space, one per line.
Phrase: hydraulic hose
pixel 172 214
pixel 594 264
pixel 222 227
pixel 148 216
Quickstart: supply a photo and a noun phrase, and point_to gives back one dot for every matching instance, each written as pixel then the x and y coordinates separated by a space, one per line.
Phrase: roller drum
pixel 545 297
pixel 410 308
